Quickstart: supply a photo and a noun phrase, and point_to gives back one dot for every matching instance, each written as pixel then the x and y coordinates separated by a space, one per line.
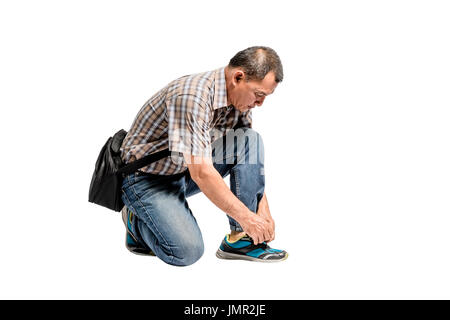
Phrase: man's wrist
pixel 266 217
pixel 263 212
pixel 239 212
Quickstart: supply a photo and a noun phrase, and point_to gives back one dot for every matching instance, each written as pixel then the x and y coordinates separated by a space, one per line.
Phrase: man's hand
pixel 256 227
pixel 212 185
pixel 271 224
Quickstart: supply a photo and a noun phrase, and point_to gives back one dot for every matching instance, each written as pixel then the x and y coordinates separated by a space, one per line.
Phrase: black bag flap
pixel 117 140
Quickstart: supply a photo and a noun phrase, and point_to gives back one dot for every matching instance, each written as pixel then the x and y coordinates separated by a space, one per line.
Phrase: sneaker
pixel 131 242
pixel 244 249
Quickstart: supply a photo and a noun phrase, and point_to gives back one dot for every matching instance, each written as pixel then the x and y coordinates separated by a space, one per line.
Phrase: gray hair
pixel 258 61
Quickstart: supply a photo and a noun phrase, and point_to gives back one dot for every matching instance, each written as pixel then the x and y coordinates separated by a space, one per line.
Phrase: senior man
pixel 205 121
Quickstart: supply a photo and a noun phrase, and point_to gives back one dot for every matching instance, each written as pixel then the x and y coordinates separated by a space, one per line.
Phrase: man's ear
pixel 238 76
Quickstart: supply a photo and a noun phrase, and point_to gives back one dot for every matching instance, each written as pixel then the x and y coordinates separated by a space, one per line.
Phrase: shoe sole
pixel 234 256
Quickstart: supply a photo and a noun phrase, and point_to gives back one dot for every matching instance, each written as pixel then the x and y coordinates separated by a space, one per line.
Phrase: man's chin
pixel 242 108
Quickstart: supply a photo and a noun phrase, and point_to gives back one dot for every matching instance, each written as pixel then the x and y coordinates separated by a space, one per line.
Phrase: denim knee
pixel 249 145
pixel 188 255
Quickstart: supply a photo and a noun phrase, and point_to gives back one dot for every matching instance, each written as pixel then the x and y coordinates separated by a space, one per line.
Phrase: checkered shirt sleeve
pixel 188 123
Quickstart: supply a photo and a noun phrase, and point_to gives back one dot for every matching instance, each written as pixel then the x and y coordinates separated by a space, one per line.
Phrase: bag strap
pixel 144 161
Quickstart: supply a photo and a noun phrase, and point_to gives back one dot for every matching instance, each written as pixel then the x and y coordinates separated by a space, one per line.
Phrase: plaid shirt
pixel 181 117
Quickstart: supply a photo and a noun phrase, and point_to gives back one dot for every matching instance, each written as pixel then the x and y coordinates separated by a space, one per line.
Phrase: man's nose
pixel 259 102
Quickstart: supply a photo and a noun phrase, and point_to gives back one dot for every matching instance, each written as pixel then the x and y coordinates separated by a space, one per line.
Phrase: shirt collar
pixel 220 89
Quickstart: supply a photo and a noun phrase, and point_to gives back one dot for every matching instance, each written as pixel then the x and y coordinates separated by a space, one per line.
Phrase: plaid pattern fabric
pixel 181 117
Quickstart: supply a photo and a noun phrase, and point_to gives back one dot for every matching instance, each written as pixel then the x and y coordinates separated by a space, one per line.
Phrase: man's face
pixel 246 95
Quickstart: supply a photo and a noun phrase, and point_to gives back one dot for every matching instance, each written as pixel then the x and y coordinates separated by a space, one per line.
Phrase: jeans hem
pixel 236 228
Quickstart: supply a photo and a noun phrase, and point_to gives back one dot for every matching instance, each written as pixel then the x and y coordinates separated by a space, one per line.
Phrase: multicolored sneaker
pixel 244 249
pixel 131 242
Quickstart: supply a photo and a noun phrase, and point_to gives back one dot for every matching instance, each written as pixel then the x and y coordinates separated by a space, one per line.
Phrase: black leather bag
pixel 106 184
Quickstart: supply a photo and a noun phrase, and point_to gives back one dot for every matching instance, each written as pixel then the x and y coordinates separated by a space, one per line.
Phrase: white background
pixel 356 136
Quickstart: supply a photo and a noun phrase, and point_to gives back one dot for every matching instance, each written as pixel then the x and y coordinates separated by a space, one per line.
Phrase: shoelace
pixel 262 245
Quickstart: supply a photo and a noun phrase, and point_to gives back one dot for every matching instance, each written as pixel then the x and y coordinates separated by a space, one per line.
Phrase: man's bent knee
pixel 250 146
pixel 187 255
pixel 243 143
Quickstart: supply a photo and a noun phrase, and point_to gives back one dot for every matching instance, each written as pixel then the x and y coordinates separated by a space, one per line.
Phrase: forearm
pixel 263 207
pixel 264 212
pixel 216 190
pixel 211 183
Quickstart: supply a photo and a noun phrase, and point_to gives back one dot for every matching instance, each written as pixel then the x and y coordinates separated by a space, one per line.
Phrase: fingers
pixel 262 235
pixel 259 229
pixel 272 232
pixel 258 236
pixel 267 235
pixel 271 236
pixel 266 232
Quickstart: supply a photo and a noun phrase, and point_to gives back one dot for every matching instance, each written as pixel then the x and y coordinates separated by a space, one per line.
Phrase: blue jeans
pixel 164 221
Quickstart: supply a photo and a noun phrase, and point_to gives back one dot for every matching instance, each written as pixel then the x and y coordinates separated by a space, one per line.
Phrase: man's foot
pixel 131 242
pixel 244 249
